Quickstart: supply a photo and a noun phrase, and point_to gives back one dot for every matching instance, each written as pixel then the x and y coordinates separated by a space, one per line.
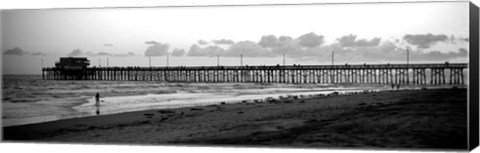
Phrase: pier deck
pixel 445 73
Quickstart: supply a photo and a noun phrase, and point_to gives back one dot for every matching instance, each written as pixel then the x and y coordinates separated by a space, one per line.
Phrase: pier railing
pixel 365 73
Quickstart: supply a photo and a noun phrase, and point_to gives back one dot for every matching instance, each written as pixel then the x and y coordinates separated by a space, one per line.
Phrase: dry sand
pixel 434 119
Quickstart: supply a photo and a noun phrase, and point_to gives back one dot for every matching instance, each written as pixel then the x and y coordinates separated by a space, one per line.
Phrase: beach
pixel 428 118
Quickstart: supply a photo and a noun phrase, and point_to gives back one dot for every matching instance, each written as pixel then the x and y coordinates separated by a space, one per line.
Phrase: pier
pixel 434 74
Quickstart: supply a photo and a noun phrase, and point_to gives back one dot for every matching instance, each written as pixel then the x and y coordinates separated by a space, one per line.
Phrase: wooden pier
pixel 434 74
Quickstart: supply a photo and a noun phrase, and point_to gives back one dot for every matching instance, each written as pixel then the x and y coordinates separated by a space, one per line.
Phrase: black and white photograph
pixel 388 76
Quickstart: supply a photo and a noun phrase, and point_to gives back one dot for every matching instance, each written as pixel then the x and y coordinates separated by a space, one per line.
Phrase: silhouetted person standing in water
pixel 97 98
pixel 97 103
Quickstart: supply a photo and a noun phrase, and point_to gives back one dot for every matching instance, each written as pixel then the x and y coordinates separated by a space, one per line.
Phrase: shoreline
pixel 87 102
pixel 273 123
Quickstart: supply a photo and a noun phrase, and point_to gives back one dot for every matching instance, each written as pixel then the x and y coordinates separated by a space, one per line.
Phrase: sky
pixel 432 32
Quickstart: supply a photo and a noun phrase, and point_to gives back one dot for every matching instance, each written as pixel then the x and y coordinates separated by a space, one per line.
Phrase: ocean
pixel 28 99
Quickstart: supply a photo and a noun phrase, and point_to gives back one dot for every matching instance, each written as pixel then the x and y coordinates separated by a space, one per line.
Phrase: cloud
pixel 384 52
pixel 268 41
pixel 284 39
pixel 440 56
pixel 462 52
pixel 151 42
pixel 78 52
pixel 178 52
pixel 39 54
pixel 247 49
pixel 268 46
pixel 109 54
pixel 195 50
pixel 123 54
pixel 214 51
pixel 310 40
pixel 119 55
pixel 424 41
pixel 348 49
pixel 130 54
pixel 157 49
pixel 15 51
pixel 351 41
pixel 288 46
pixel 347 40
pixel 202 42
pixel 371 42
pixel 223 42
pixel 103 54
pixel 454 40
pixel 75 52
pixel 20 52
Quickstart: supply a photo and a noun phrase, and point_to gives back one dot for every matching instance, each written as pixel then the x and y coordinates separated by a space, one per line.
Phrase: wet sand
pixel 433 119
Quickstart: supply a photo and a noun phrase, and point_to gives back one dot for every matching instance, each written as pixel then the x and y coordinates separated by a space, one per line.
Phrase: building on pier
pixel 72 63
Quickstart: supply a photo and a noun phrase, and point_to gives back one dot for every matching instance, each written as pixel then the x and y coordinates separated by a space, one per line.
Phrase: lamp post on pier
pixel 333 57
pixel 408 66
pixel 241 59
pixel 167 61
pixel 408 57
pixel 149 61
pixel 332 79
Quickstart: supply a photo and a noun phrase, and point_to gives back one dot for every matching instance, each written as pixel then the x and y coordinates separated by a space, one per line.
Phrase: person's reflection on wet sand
pixel 98 110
